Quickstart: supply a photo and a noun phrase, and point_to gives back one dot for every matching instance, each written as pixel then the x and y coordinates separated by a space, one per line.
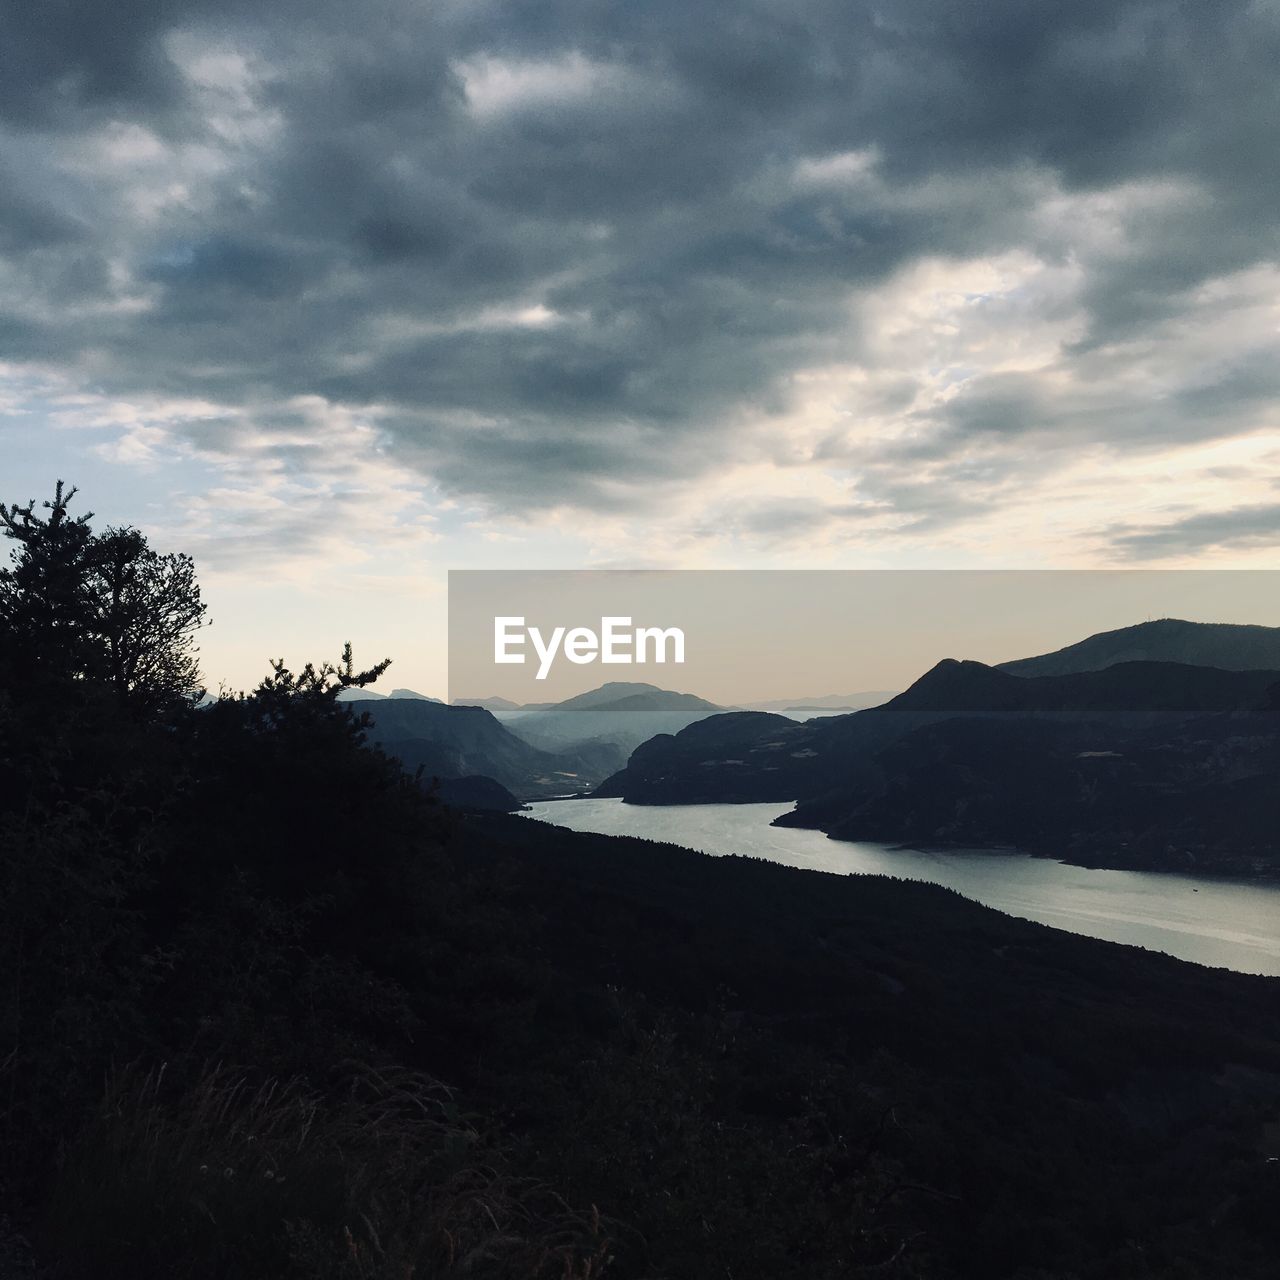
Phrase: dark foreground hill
pixel 269 1013
pixel 1025 1093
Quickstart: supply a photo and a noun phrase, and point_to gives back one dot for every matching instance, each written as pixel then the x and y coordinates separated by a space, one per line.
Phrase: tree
pixel 44 595
pixel 106 609
pixel 147 612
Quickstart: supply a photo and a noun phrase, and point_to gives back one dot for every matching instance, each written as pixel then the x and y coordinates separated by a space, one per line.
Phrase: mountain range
pixel 1088 752
pixel 371 695
pixel 618 714
pixel 1133 763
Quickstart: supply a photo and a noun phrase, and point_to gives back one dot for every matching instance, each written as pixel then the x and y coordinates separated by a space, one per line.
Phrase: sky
pixel 339 296
pixel 749 636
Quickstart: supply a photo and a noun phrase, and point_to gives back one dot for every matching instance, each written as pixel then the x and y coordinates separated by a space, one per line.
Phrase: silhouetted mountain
pixel 1147 688
pixel 619 713
pixel 454 742
pixel 1197 795
pixel 854 776
pixel 371 695
pixel 478 794
pixel 499 706
pixel 1229 646
pixel 735 757
pixel 743 756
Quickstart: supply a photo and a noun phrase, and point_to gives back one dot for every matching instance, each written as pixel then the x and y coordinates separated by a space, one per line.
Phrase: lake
pixel 1224 923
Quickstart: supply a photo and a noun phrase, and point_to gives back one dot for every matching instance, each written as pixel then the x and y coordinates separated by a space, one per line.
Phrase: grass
pixel 379 1178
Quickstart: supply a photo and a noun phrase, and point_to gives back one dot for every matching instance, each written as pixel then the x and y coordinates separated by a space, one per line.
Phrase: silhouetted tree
pixel 147 612
pixel 104 608
pixel 44 594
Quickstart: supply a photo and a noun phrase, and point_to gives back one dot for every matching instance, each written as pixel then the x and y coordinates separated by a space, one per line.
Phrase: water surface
pixel 1224 923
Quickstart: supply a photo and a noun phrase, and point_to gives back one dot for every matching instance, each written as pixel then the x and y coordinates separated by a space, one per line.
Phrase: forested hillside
pixel 267 1009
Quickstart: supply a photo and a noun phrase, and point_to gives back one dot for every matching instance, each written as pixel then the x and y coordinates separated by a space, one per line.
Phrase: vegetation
pixel 268 1009
pixel 105 609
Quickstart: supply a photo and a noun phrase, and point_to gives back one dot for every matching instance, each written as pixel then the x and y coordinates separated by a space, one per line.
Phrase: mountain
pixel 619 714
pixel 1230 646
pixel 370 695
pixel 727 758
pixel 1139 764
pixel 499 706
pixel 456 742
pixel 1151 689
pixel 745 756
pixel 1197 795
pixel 477 794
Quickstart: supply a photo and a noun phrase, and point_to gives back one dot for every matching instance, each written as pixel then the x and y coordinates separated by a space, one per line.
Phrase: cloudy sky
pixel 336 296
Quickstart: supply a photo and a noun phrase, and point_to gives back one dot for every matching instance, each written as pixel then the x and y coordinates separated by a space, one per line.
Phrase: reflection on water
pixel 1229 924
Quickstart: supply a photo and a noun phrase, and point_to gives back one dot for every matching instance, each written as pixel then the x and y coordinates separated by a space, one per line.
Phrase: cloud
pixel 586 258
pixel 1256 526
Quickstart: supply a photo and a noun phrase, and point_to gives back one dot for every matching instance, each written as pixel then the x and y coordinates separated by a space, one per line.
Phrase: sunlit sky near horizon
pixel 337 297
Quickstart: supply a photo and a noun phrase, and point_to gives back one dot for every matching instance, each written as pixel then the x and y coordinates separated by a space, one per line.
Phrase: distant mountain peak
pixel 635 692
pixel 1228 645
pixel 956 683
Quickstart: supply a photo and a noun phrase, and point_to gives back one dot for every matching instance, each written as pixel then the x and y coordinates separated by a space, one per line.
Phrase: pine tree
pixel 44 594
pixel 106 609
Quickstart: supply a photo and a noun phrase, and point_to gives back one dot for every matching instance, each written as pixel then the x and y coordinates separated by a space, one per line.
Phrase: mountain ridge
pixel 1229 646
pixel 458 742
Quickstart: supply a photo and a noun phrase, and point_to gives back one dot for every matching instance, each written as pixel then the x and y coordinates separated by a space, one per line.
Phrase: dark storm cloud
pixel 564 252
pixel 1242 527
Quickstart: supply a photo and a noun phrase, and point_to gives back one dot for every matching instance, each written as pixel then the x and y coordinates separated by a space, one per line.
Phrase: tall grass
pixel 381 1179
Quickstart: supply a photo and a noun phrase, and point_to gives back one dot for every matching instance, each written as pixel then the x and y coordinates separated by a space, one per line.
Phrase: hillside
pixel 734 757
pixel 743 756
pixel 970 754
pixel 1153 689
pixel 272 1011
pixel 1199 795
pixel 499 706
pixel 476 793
pixel 456 742
pixel 1229 646
pixel 484 1046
